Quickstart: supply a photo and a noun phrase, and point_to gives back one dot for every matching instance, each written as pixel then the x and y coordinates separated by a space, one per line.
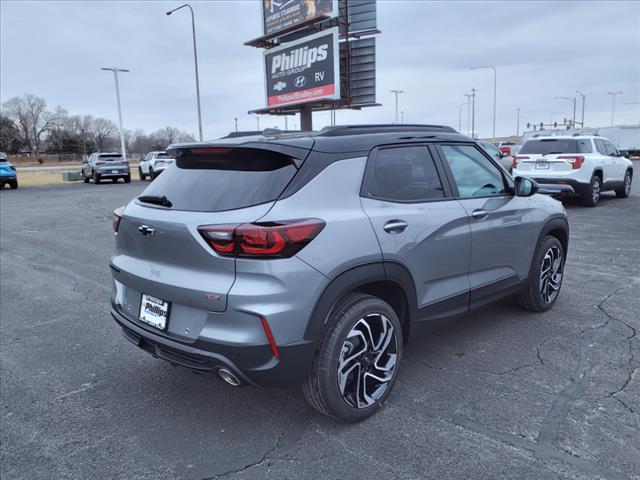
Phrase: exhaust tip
pixel 228 377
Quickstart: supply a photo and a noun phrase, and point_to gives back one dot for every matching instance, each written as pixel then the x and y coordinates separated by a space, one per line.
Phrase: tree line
pixel 27 126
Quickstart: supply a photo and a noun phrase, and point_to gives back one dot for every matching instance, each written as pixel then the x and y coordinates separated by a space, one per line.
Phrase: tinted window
pixel 162 155
pixel 215 182
pixel 611 150
pixel 474 174
pixel 405 174
pixel 556 145
pixel 111 158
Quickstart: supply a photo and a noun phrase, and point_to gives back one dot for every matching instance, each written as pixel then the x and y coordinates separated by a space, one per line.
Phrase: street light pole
pixel 115 76
pixel 518 122
pixel 613 103
pixel 473 113
pixel 402 117
pixel 397 92
pixel 195 58
pixel 460 115
pixel 236 121
pixel 495 88
pixel 468 95
pixel 583 100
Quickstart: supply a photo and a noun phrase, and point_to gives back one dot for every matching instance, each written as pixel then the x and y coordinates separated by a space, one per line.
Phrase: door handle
pixel 479 214
pixel 395 226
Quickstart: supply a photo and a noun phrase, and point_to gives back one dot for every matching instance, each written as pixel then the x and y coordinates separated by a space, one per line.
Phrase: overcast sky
pixel 541 50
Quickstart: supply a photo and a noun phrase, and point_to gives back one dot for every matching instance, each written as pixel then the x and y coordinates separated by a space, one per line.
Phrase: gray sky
pixel 541 50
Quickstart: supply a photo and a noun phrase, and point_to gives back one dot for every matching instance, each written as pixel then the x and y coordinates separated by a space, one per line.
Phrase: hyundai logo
pixel 300 81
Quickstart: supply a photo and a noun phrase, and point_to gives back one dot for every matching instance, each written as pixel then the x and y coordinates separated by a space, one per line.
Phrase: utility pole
pixel 613 103
pixel 495 88
pixel 397 92
pixel 518 122
pixel 402 117
pixel 468 95
pixel 115 76
pixel 583 100
pixel 236 120
pixel 460 115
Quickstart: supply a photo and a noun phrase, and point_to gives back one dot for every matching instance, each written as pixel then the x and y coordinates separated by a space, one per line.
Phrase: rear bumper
pixel 579 188
pixel 7 178
pixel 109 173
pixel 252 364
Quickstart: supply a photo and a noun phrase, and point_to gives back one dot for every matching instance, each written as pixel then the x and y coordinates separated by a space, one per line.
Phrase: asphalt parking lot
pixel 500 394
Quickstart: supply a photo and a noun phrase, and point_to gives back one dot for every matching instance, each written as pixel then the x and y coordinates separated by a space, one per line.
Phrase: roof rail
pixel 339 130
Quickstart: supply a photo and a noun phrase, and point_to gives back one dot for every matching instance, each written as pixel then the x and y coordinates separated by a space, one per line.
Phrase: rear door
pixel 419 225
pixel 618 167
pixel 606 161
pixel 502 227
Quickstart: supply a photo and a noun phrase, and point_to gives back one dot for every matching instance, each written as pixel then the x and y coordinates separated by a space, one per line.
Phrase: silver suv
pixel 311 259
pixel 101 165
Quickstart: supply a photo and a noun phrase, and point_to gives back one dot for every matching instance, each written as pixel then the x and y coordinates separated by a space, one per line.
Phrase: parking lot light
pixel 115 76
pixel 613 103
pixel 495 88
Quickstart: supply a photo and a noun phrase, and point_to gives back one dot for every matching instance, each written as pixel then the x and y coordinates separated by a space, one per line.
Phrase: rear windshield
pixel 110 158
pixel 227 180
pixel 556 145
pixel 163 155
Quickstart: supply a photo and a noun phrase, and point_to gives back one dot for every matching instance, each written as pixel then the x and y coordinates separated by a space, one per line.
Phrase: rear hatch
pixel 6 167
pixel 552 156
pixel 110 161
pixel 159 250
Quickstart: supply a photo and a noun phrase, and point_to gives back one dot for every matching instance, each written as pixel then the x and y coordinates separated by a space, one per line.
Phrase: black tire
pixel 152 174
pixel 13 184
pixel 142 175
pixel 321 387
pixel 532 298
pixel 591 197
pixel 127 179
pixel 85 179
pixel 95 177
pixel 625 191
pixel 114 180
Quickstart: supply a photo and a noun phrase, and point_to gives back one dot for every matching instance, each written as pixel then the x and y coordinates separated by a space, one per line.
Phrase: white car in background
pixel 589 164
pixel 154 164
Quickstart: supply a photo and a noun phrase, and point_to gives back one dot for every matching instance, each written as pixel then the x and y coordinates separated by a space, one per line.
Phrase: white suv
pixel 590 164
pixel 154 164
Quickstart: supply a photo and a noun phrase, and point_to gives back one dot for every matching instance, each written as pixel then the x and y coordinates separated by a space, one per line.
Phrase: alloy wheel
pixel 550 274
pixel 367 360
pixel 595 190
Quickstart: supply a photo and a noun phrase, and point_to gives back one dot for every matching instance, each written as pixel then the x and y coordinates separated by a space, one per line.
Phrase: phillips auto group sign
pixel 304 70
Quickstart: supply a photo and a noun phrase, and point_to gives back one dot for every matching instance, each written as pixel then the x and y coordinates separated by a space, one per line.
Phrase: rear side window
pixel 223 179
pixel 403 174
pixel 556 145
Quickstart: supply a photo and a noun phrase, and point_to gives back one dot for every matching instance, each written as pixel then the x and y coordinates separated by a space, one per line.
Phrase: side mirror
pixel 525 187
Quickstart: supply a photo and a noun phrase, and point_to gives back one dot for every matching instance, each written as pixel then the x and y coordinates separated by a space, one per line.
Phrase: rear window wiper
pixel 156 200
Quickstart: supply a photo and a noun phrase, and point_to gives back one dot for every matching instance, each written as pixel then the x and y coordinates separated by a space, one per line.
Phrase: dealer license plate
pixel 154 311
pixel 542 165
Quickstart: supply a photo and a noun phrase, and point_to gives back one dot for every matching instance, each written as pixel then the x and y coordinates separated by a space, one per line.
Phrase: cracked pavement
pixel 502 393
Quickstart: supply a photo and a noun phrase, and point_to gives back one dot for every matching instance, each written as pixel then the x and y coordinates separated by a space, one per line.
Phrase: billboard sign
pixel 279 15
pixel 304 70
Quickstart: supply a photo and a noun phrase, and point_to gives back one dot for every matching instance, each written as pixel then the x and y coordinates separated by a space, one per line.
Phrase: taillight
pixel 516 159
pixel 12 168
pixel 576 161
pixel 273 239
pixel 125 161
pixel 100 162
pixel 117 216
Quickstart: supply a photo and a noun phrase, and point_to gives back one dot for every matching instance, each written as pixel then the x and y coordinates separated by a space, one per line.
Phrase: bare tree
pixel 103 133
pixel 31 114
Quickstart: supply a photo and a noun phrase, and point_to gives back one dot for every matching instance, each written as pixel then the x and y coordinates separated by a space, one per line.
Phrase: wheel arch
pixel 389 281
pixel 558 227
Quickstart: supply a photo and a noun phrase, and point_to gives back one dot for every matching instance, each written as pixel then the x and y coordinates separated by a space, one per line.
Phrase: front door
pixel 419 225
pixel 502 225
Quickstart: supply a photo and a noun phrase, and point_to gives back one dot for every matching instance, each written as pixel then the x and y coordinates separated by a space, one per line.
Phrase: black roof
pixel 335 139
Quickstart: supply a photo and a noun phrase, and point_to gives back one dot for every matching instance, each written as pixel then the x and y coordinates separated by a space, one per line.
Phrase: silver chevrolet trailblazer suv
pixel 311 258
